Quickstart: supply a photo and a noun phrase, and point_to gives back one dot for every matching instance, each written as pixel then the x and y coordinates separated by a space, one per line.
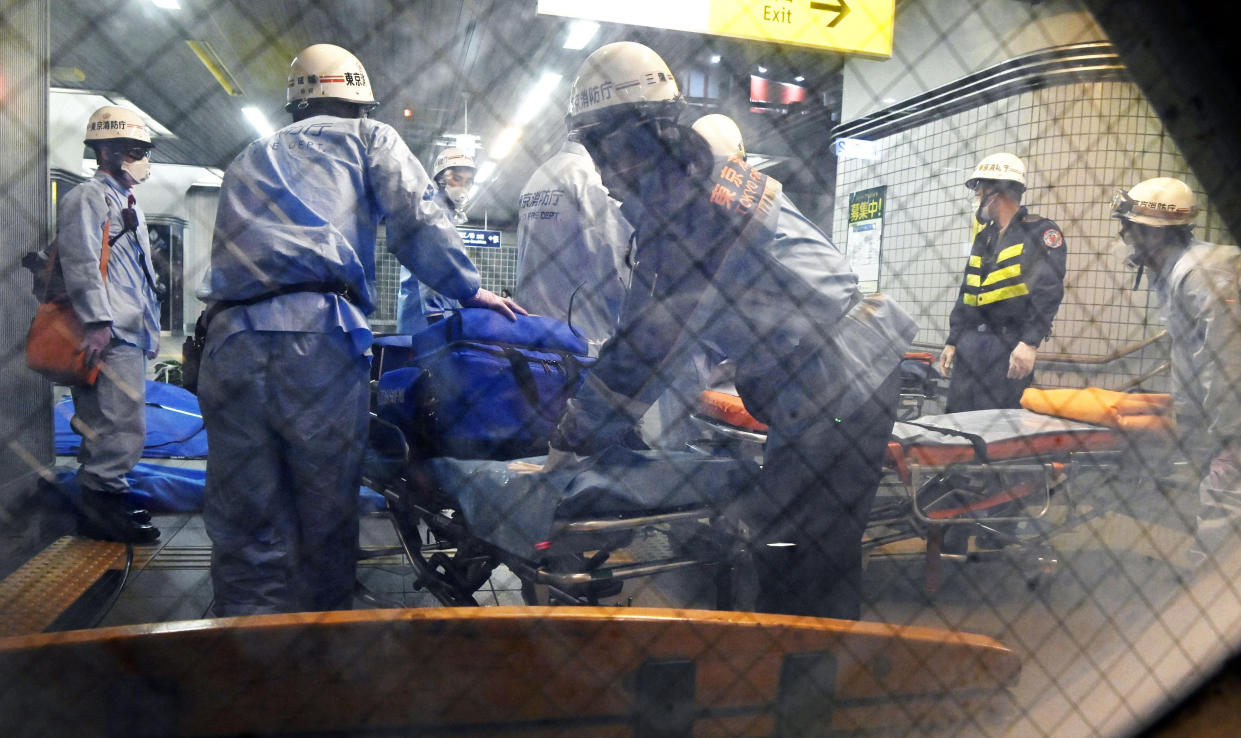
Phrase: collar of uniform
pixel 574 147
pixel 111 182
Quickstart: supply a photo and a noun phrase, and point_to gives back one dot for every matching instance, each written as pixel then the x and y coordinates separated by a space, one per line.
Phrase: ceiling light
pixel 153 124
pixel 715 58
pixel 580 34
pixel 536 98
pixel 167 4
pixel 484 172
pixel 799 78
pixel 258 120
pixel 503 145
pixel 762 69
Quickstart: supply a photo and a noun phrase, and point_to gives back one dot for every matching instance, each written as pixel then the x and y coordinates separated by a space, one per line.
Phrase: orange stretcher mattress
pixel 728 408
pixel 1138 413
pixel 1006 435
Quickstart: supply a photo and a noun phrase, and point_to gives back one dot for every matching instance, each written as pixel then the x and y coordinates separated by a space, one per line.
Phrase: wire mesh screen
pixel 761 461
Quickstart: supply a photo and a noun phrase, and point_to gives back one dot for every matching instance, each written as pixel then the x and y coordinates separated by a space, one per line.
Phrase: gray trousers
pixel 286 415
pixel 111 416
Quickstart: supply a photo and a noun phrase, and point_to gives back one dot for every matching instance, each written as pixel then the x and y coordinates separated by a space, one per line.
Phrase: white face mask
pixel 457 195
pixel 138 170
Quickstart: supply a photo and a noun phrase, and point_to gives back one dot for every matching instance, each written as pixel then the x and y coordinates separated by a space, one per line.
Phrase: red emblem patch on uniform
pixel 1052 238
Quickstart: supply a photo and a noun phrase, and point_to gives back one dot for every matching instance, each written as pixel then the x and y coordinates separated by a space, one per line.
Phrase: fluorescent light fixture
pixel 467 142
pixel 503 145
pixel 484 172
pixel 715 58
pixel 580 34
pixel 215 65
pixel 536 98
pixel 258 120
pixel 167 4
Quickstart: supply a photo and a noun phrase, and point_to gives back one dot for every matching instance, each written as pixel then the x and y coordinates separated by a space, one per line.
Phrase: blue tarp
pixel 174 431
pixel 174 425
pixel 169 489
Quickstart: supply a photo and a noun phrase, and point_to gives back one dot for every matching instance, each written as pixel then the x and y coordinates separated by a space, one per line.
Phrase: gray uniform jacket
pixel 774 294
pixel 571 234
pixel 1200 291
pixel 128 299
pixel 302 206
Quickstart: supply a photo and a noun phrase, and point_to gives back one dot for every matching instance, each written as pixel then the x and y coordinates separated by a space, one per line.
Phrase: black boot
pixel 107 516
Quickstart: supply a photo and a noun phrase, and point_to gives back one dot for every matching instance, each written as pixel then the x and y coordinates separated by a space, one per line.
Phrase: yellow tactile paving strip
pixel 32 597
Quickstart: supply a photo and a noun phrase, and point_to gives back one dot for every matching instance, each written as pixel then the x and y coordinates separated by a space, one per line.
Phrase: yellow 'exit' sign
pixel 858 26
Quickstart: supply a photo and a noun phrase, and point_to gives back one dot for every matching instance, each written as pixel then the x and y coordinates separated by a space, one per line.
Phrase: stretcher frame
pixel 576 565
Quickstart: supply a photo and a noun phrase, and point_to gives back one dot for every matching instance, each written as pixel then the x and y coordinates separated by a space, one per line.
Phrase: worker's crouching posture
pixel 722 255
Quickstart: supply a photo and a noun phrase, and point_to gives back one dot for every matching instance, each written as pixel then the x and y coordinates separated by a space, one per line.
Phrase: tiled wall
pixel 1080 143
pixel 496 266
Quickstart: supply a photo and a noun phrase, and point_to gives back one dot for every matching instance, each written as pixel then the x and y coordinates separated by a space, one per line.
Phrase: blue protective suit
pixel 415 300
pixel 113 408
pixel 572 243
pixel 724 258
pixel 283 381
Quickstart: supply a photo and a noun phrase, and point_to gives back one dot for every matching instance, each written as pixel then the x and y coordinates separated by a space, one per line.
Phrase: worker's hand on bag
pixel 96 337
pixel 1021 361
pixel 945 359
pixel 490 300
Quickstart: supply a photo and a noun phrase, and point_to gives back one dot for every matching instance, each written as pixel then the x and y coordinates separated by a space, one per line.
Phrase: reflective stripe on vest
pixel 1004 293
pixel 1010 252
pixel 999 275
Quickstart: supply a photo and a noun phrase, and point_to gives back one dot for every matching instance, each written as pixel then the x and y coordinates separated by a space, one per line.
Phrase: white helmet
pixel 1003 167
pixel 1159 202
pixel 622 74
pixel 112 122
pixel 449 158
pixel 722 134
pixel 329 72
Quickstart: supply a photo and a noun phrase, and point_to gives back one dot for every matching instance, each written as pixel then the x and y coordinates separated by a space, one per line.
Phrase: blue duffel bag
pixel 480 386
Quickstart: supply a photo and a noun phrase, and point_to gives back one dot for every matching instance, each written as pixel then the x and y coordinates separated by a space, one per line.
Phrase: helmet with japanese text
pixel 722 134
pixel 326 71
pixel 114 123
pixel 1160 202
pixel 449 158
pixel 1002 167
pixel 623 77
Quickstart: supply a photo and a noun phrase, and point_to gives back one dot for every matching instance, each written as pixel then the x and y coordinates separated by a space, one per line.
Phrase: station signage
pixel 857 26
pixel 480 237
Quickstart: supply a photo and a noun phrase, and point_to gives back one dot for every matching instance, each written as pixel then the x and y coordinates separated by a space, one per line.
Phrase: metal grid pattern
pixel 1080 142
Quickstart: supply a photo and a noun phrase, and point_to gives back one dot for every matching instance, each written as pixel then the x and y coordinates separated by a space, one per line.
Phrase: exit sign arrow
pixel 840 8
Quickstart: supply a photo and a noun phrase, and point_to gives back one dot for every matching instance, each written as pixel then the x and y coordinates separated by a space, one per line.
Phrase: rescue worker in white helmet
pixel 283 384
pixel 1011 291
pixel 723 256
pixel 416 303
pixel 572 244
pixel 1199 285
pixel 120 312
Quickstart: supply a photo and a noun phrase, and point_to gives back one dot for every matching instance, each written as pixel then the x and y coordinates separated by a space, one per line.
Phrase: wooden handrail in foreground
pixel 499 671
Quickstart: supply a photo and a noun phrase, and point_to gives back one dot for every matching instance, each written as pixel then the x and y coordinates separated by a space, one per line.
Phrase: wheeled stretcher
pixel 572 535
pixel 977 484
